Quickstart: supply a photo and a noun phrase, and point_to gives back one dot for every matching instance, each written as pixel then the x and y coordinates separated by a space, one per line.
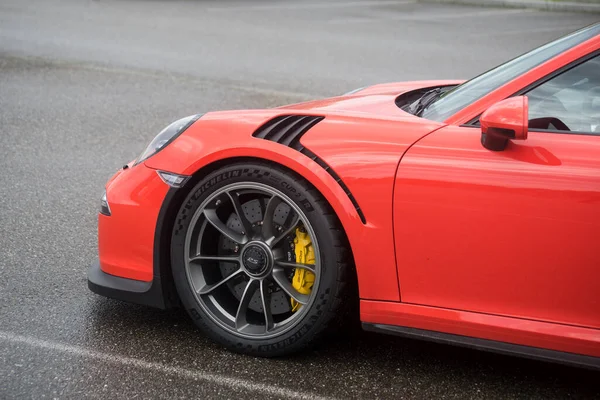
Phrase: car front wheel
pixel 259 259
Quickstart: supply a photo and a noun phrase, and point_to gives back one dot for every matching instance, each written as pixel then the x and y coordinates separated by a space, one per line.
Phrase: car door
pixel 513 232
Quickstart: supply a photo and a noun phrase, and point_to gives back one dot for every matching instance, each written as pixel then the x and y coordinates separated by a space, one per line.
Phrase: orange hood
pixel 375 100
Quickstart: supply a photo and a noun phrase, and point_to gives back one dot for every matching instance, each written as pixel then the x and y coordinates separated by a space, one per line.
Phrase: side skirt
pixel 487 345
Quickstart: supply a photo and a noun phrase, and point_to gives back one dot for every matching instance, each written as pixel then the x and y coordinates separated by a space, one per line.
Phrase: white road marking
pixel 215 379
pixel 310 6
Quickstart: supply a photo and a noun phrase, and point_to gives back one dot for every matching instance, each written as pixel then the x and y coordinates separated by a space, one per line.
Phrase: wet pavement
pixel 85 85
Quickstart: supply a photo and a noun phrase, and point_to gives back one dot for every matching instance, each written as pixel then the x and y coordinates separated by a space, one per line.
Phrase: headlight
pixel 104 207
pixel 166 136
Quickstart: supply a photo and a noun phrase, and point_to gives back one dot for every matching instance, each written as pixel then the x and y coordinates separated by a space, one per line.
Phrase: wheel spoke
pixel 216 258
pixel 206 289
pixel 213 218
pixel 281 279
pixel 240 316
pixel 235 200
pixel 269 234
pixel 266 303
pixel 292 265
pixel 272 241
pixel 268 231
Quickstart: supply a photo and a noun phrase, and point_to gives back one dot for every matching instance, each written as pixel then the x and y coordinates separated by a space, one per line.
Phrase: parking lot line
pixel 216 379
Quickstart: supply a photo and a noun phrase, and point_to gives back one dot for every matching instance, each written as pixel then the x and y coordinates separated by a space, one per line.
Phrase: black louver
pixel 287 130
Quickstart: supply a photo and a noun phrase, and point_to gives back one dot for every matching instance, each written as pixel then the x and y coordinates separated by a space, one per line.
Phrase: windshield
pixel 476 88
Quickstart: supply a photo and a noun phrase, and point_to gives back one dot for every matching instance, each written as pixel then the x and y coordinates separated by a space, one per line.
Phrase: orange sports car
pixel 466 213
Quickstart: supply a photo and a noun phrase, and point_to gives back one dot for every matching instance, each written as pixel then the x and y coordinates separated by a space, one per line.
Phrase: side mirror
pixel 504 120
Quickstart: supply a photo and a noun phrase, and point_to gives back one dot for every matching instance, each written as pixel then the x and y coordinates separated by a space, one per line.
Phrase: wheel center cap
pixel 255 259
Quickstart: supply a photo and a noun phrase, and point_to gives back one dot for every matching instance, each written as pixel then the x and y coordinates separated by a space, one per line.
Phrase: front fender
pixel 212 140
pixel 367 167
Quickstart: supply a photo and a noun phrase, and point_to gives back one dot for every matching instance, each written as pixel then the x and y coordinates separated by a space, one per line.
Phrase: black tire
pixel 335 261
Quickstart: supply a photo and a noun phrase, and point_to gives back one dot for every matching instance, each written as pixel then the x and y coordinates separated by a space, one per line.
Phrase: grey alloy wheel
pixel 238 260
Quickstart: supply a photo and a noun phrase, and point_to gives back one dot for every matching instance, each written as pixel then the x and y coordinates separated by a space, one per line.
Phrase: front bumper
pixel 133 241
pixel 126 237
pixel 139 292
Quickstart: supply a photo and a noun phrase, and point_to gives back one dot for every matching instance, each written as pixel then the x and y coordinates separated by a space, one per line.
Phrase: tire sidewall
pixel 311 323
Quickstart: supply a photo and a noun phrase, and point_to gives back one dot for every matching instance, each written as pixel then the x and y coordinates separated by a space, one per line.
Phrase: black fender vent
pixel 287 130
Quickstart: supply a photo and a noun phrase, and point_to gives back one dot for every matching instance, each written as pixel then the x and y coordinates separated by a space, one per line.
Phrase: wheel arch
pixel 162 267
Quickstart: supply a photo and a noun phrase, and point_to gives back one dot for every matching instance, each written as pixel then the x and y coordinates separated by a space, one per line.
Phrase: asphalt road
pixel 84 85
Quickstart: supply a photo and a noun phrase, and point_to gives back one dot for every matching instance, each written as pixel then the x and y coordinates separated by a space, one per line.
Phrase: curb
pixel 589 6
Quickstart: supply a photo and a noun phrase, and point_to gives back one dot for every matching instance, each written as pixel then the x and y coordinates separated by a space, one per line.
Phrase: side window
pixel 569 101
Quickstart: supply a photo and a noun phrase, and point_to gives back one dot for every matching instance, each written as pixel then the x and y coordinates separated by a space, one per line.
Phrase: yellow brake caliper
pixel 303 279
